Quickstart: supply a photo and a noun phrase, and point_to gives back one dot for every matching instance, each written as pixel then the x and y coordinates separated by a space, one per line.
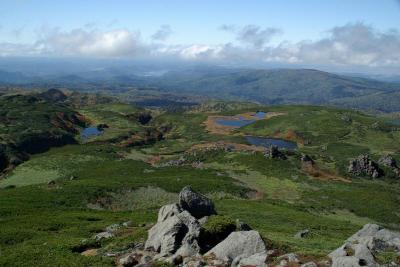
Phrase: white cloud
pixel 349 45
pixel 87 42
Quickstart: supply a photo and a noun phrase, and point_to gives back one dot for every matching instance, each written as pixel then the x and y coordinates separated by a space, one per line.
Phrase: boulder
pixel 195 203
pixel 364 166
pixel 302 234
pixel 258 260
pixel 129 260
pixel 243 244
pixel 388 161
pixel 168 211
pixel 360 248
pixel 165 237
pixel 346 262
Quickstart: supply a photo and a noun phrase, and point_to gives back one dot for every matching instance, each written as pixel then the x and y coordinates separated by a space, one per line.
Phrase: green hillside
pixel 56 199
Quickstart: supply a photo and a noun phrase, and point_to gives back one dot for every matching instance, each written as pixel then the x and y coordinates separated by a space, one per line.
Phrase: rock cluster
pixel 362 248
pixel 390 162
pixel 274 153
pixel 364 166
pixel 175 239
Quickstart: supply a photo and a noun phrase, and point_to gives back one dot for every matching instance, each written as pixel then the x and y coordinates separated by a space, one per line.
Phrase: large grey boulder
pixel 175 234
pixel 238 244
pixel 195 203
pixel 360 248
pixel 166 237
pixel 190 245
pixel 376 238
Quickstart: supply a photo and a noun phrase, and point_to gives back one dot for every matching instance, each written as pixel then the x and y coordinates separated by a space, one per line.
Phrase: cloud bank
pixel 354 44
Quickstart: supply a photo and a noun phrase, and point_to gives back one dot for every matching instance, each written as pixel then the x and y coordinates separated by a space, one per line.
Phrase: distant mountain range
pixel 273 86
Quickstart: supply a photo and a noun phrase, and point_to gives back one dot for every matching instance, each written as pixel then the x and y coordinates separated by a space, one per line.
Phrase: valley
pixel 58 195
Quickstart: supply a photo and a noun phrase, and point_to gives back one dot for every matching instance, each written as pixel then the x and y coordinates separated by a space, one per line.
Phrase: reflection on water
pixel 267 142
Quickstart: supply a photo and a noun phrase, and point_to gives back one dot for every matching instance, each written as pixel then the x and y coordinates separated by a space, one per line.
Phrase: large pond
pixel 90 132
pixel 240 121
pixel 267 142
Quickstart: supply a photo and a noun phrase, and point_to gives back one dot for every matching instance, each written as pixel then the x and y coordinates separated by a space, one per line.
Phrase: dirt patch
pixel 289 135
pixel 314 171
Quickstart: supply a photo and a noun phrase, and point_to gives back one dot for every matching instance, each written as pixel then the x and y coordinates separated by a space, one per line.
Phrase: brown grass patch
pixel 314 171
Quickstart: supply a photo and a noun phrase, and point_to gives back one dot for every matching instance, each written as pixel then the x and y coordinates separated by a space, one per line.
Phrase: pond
pixel 267 142
pixel 90 132
pixel 239 121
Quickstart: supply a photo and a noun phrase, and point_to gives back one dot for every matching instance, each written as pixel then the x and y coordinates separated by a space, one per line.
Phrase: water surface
pixel 90 132
pixel 267 142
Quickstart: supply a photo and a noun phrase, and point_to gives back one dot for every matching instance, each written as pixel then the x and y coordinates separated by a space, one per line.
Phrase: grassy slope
pixel 41 224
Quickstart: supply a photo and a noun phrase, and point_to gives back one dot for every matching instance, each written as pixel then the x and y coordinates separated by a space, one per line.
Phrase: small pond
pixel 90 132
pixel 267 142
pixel 239 121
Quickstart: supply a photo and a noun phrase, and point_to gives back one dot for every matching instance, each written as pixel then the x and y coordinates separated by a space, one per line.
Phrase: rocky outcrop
pixel 273 152
pixel 364 166
pixel 389 162
pixel 175 238
pixel 362 248
pixel 195 203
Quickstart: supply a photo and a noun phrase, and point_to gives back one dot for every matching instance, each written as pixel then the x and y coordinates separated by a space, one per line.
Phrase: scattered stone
pixel 103 235
pixel 90 253
pixel 306 159
pixel 302 234
pixel 364 166
pixel 112 228
pixel 129 260
pixel 52 182
pixel 309 264
pixel 195 203
pixel 127 224
pixel 273 152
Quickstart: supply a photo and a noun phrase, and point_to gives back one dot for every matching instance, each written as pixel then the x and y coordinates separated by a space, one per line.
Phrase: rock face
pixel 195 203
pixel 361 248
pixel 364 166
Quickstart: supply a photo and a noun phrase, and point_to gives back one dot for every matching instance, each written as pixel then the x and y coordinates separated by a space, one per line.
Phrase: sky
pixel 349 34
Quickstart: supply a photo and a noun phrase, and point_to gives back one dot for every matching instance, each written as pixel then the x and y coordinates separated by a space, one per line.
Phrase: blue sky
pixel 349 32
pixel 194 21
